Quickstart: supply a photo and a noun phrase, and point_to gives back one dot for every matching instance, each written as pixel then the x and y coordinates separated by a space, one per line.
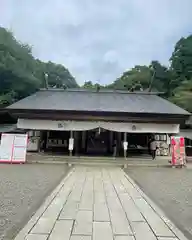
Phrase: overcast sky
pixel 98 39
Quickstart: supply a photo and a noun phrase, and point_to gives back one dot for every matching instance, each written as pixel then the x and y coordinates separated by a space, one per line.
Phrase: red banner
pixel 178 150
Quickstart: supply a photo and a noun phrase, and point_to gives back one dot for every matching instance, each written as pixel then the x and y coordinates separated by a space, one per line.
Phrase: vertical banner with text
pixel 178 150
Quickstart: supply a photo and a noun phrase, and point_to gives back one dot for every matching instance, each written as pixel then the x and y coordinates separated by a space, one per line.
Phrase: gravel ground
pixel 23 188
pixel 171 189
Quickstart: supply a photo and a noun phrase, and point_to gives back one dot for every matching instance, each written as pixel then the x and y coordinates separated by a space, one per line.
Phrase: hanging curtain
pixel 89 125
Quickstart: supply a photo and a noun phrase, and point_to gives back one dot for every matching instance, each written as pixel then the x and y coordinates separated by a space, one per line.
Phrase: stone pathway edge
pixel 30 224
pixel 157 209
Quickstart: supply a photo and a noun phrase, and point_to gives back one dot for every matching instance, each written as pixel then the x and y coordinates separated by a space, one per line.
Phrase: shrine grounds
pixel 171 190
pixel 23 188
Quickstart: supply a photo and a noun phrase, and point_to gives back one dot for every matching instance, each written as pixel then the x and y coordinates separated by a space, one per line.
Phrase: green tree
pixel 154 77
pixel 181 60
pixel 91 85
pixel 88 85
pixel 161 78
pixel 138 77
pixel 181 67
pixel 183 95
pixel 21 74
pixel 17 68
pixel 57 75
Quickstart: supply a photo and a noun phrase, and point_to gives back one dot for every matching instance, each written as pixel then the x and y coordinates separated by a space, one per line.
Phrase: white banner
pixel 6 148
pixel 89 125
pixel 13 148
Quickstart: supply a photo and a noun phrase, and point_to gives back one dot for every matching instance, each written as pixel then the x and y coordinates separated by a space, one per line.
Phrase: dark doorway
pixel 98 142
pixel 57 142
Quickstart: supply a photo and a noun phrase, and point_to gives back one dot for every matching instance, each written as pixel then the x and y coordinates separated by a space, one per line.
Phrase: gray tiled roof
pixel 102 101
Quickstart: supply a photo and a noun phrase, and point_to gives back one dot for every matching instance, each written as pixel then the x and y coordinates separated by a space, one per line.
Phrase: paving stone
pixel 155 222
pixel 118 217
pixel 99 194
pixel 43 226
pixel 119 221
pixel 36 237
pixel 55 208
pixel 69 211
pixel 133 213
pixel 83 223
pixel 102 230
pixel 142 231
pixel 77 191
pixel 120 224
pixel 86 203
pixel 57 204
pixel 98 181
pixel 81 237
pixel 167 238
pixel 87 195
pixel 119 188
pixel 116 181
pixel 130 188
pixel 101 213
pixel 109 190
pixel 62 230
pixel 124 238
pixel 99 197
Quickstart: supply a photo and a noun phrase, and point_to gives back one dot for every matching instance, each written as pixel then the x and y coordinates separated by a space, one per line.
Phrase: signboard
pixel 13 148
pixel 125 145
pixel 178 150
pixel 71 144
pixel 6 147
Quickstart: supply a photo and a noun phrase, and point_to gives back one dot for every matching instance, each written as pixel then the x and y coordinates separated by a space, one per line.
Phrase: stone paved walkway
pixel 94 204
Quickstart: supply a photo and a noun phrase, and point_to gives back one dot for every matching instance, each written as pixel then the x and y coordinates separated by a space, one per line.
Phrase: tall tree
pixel 181 60
pixel 161 78
pixel 183 95
pixel 17 68
pixel 154 77
pixel 181 67
pixel 138 77
pixel 21 74
pixel 57 75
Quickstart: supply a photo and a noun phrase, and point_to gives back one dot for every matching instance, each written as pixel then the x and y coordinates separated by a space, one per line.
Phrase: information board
pixel 71 144
pixel 13 148
pixel 178 150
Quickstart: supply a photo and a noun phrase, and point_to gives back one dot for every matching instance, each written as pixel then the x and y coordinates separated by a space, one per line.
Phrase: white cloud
pixel 98 40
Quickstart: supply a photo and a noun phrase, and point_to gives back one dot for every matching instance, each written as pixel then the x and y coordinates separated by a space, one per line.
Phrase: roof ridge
pixel 107 91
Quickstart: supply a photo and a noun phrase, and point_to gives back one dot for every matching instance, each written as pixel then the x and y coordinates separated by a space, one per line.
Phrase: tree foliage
pixel 175 81
pixel 21 74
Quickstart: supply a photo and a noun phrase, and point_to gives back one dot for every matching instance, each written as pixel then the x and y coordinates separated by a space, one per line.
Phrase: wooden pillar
pixel 76 142
pixel 47 138
pixel 118 143
pixel 83 140
pixel 111 141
